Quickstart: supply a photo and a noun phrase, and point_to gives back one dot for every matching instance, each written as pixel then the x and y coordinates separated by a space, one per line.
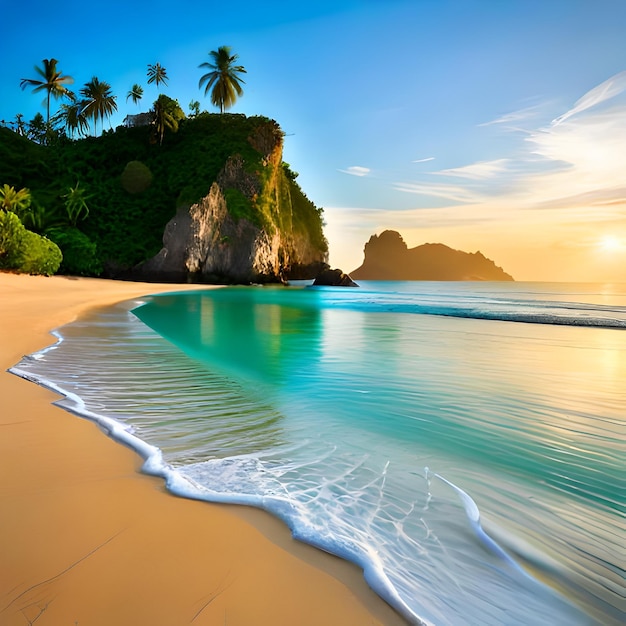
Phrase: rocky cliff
pixel 387 257
pixel 213 202
pixel 255 225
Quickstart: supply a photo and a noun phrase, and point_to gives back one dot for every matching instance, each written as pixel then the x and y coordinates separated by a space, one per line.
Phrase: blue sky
pixel 491 125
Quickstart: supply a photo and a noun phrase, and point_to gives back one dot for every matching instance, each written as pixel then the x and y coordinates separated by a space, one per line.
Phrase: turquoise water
pixel 462 442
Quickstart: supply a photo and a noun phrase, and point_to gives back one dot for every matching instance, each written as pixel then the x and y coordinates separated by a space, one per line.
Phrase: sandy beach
pixel 87 540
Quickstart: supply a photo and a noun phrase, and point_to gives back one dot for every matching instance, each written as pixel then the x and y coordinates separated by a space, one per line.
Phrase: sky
pixel 491 125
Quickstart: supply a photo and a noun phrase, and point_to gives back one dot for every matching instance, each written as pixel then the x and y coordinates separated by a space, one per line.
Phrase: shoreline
pixel 85 538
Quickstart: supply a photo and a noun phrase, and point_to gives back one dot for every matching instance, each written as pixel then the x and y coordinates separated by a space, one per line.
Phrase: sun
pixel 610 243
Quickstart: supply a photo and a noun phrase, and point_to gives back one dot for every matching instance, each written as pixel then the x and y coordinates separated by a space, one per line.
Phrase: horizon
pixel 498 127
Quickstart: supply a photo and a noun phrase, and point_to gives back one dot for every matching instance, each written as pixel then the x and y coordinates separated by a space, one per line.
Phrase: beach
pixel 85 538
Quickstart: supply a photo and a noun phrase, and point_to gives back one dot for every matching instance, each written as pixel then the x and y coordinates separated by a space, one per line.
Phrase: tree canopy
pixel 157 74
pixel 135 93
pixel 223 78
pixel 52 81
pixel 99 100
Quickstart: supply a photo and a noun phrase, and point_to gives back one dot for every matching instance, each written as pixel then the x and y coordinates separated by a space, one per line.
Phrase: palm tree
pixel 37 129
pixel 166 115
pixel 157 74
pixel 53 83
pixel 73 118
pixel 99 102
pixel 136 93
pixel 194 108
pixel 223 78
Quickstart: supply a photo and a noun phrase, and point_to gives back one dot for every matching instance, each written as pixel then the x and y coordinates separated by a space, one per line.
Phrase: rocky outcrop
pixel 265 234
pixel 333 278
pixel 387 257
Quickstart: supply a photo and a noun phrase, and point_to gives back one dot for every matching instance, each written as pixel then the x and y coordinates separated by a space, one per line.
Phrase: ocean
pixel 462 442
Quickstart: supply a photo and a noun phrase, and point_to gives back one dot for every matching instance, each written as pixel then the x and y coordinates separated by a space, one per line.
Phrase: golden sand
pixel 87 540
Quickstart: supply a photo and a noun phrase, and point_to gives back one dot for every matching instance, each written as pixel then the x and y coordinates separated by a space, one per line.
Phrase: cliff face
pixel 253 226
pixel 387 257
pixel 213 202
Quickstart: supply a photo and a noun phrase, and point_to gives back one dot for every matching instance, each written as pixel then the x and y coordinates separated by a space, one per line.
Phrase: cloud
pixel 477 171
pixel 605 91
pixel 423 160
pixel 585 155
pixel 558 186
pixel 357 170
pixel 515 117
pixel 615 196
pixel 575 164
pixel 454 193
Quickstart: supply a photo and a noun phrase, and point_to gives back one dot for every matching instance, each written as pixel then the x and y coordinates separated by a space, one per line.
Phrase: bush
pixel 25 251
pixel 136 177
pixel 39 255
pixel 80 256
pixel 11 239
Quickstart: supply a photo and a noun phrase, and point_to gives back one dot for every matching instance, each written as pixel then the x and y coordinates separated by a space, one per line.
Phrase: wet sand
pixel 87 540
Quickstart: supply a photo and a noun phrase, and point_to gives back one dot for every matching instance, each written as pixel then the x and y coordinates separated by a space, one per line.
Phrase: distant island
pixel 387 257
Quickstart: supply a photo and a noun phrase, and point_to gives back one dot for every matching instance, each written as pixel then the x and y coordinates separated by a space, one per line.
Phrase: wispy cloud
pixel 515 117
pixel 423 160
pixel 576 161
pixel 603 92
pixel 560 187
pixel 454 193
pixel 477 171
pixel 615 196
pixel 356 170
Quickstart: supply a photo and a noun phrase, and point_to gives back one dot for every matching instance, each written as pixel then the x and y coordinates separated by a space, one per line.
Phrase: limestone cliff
pixel 255 225
pixel 213 201
pixel 387 257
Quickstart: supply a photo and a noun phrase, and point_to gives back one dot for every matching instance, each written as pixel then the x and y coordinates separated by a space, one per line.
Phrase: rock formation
pixel 333 278
pixel 209 242
pixel 387 257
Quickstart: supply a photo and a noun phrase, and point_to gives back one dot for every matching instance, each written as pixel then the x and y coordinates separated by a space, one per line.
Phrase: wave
pixel 532 311
pixel 237 471
pixel 334 502
pixel 177 483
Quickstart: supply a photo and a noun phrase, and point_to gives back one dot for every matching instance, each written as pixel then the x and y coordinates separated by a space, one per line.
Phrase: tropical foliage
pixel 73 119
pixel 223 78
pixel 80 255
pixel 99 101
pixel 51 81
pixel 129 187
pixel 22 250
pixel 157 74
pixel 166 115
pixel 135 93
pixel 14 200
pixel 76 204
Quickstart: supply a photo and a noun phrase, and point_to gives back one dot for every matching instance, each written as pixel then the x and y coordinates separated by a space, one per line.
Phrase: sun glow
pixel 610 243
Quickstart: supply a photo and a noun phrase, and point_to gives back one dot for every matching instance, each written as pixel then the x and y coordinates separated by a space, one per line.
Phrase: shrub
pixel 136 177
pixel 25 251
pixel 80 256
pixel 39 255
pixel 11 239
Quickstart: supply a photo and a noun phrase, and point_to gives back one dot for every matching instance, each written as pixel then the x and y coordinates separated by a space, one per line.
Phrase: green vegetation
pixel 166 116
pixel 135 93
pixel 103 202
pixel 157 74
pixel 98 102
pixel 107 199
pixel 52 82
pixel 223 78
pixel 22 250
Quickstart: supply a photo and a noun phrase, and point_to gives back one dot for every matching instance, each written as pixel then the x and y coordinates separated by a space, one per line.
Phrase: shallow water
pixel 474 467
